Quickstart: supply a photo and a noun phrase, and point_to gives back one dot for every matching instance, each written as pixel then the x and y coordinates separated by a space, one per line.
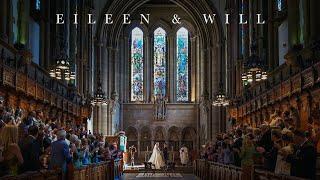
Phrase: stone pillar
pixel 126 83
pixel 193 68
pixel 23 28
pixel 270 36
pixel 147 68
pixel 171 68
pixel 293 18
pixel 4 20
pixel 306 17
pixel 314 21
pixel 104 68
pixel 47 34
pixel 246 31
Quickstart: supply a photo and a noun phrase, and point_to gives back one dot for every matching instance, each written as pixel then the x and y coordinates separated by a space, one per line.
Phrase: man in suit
pixel 266 138
pixel 303 162
pixel 165 152
pixel 60 153
pixel 30 148
pixel 237 147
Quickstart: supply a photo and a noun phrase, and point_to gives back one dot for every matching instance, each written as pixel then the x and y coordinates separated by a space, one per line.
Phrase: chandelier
pixel 99 96
pixel 220 98
pixel 62 69
pixel 253 70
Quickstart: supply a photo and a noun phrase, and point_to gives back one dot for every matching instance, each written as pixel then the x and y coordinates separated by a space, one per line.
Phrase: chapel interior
pixel 236 91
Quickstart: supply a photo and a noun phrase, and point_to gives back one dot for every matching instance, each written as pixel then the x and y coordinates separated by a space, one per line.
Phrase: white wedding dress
pixel 156 157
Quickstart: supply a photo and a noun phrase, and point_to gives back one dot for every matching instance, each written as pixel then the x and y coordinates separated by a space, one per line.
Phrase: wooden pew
pixel 36 175
pixel 207 170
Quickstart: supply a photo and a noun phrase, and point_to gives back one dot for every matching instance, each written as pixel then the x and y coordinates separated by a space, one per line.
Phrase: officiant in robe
pixel 184 155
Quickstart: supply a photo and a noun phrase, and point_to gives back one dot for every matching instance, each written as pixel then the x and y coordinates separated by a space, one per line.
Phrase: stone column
pixel 104 68
pixel 126 83
pixel 246 31
pixel 293 18
pixel 306 17
pixel 193 68
pixel 172 68
pixel 4 20
pixel 270 36
pixel 314 21
pixel 148 69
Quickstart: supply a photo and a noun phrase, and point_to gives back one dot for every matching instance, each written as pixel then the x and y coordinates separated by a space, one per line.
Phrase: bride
pixel 156 157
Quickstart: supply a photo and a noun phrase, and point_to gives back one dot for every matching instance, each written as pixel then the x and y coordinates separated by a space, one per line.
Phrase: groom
pixel 165 152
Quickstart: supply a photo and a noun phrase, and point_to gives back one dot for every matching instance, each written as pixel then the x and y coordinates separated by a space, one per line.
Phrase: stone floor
pixel 128 176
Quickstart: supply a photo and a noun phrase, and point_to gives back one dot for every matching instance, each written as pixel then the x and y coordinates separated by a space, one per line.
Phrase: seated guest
pixel 303 162
pixel 60 154
pixel 86 152
pixel 30 148
pixel 11 154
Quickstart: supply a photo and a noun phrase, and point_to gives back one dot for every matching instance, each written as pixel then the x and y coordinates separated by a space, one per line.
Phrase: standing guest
pixel 272 155
pixel 236 147
pixel 30 148
pixel 283 167
pixel 60 154
pixel 265 141
pixel 227 153
pixel 11 154
pixel 246 154
pixel 303 162
pixel 184 155
pixel 165 152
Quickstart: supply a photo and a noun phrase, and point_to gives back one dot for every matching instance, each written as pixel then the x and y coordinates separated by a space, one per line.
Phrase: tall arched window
pixel 159 61
pixel 136 65
pixel 182 65
pixel 242 30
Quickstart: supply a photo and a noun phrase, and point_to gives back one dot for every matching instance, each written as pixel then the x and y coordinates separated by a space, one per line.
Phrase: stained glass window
pixel 279 5
pixel 182 64
pixel 159 74
pixel 136 65
pixel 37 4
pixel 242 30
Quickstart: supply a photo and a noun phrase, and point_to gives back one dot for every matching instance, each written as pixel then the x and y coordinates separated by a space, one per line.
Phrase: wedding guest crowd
pixel 275 145
pixel 34 143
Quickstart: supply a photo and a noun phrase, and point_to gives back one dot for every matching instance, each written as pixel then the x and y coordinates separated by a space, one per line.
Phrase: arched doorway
pixel 159 136
pixel 188 138
pixel 145 139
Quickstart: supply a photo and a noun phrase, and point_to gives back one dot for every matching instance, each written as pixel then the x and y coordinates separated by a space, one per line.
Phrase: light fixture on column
pixel 62 69
pixel 99 96
pixel 253 69
pixel 220 98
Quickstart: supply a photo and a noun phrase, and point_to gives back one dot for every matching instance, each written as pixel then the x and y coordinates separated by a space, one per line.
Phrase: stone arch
pixel 173 133
pixel 160 23
pixel 159 134
pixel 188 137
pixel 145 138
pixel 188 133
pixel 132 133
pixel 210 33
pixel 134 24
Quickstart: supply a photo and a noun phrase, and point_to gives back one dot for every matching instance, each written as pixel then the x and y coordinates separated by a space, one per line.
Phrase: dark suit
pixel 303 162
pixel 271 157
pixel 30 149
pixel 165 154
pixel 266 141
pixel 237 144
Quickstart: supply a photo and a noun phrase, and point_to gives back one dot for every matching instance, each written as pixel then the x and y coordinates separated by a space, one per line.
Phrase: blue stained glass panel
pixel 136 65
pixel 182 64
pixel 242 31
pixel 159 56
pixel 37 4
pixel 279 5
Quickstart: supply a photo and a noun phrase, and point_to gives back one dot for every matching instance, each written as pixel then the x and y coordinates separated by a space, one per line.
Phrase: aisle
pixel 127 176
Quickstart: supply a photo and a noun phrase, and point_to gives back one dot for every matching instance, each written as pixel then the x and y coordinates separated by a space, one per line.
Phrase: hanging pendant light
pixel 99 96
